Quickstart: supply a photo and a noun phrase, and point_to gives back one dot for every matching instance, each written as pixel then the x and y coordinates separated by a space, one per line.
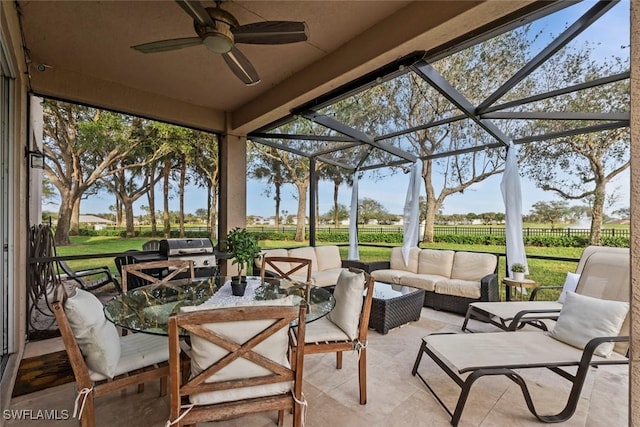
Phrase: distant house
pixel 98 223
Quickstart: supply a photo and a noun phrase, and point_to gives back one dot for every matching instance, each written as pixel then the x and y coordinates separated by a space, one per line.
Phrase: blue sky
pixel 611 32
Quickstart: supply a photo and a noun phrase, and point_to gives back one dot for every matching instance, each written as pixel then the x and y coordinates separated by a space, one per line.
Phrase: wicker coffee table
pixel 394 305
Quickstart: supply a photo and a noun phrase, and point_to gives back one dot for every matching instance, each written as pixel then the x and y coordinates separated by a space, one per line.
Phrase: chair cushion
pixel 349 300
pixel 322 330
pixel 583 318
pixel 97 338
pixel 432 261
pixel 328 257
pixel 205 353
pixel 570 284
pixel 138 351
pixel 306 252
pixel 473 266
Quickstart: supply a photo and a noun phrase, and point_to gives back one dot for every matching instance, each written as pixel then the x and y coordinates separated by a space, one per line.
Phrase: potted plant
pixel 518 271
pixel 243 248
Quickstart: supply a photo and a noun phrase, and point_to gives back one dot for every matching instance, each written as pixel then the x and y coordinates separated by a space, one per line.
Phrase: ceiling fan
pixel 219 31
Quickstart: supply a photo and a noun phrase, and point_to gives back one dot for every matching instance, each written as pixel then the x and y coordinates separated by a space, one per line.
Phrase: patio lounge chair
pixel 92 278
pixel 585 325
pixel 602 270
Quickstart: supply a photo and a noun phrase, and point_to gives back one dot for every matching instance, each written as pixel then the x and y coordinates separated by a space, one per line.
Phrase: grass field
pixel 545 272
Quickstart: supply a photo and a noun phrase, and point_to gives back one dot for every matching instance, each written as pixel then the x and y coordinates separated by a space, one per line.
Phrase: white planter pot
pixel 518 276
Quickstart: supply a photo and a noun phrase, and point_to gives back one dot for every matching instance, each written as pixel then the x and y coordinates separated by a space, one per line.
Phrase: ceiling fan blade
pixel 166 45
pixel 271 32
pixel 241 67
pixel 196 11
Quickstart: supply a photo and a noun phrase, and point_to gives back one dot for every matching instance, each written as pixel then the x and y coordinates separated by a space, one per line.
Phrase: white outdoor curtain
pixel 512 196
pixel 411 219
pixel 353 221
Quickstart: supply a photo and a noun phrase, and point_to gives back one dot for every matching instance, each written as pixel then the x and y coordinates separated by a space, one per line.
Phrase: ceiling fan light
pixel 218 42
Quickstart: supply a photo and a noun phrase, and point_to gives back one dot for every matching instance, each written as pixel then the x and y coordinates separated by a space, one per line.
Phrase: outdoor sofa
pixel 452 279
pixel 326 264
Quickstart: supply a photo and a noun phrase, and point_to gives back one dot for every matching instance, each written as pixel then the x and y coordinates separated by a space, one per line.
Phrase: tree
pixel 369 209
pixel 268 167
pixel 580 167
pixel 336 217
pixel 413 103
pixel 81 145
pixel 551 212
pixel 206 166
pixel 623 213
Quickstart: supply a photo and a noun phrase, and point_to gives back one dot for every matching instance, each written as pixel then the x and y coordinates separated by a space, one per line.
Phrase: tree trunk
pixel 317 201
pixel 151 197
pixel 165 195
pixel 213 197
pixel 302 207
pixel 118 206
pixel 336 217
pixel 128 214
pixel 183 173
pixel 61 236
pixel 74 228
pixel 277 199
pixel 431 204
pixel 597 212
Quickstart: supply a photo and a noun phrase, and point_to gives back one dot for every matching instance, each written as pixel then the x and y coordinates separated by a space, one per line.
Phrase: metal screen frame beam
pixel 439 83
pixel 555 115
pixel 582 23
pixel 331 123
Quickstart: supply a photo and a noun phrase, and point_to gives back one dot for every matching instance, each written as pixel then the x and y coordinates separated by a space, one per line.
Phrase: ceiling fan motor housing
pixel 219 38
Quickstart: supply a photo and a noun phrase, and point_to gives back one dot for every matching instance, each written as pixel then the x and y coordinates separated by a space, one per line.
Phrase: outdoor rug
pixel 44 371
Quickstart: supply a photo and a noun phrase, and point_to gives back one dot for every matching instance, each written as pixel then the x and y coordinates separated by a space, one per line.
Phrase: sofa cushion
pixel 459 288
pixel 389 276
pixel 397 261
pixel 306 252
pixel 284 266
pixel 328 257
pixel 472 266
pixel 421 281
pixel 326 277
pixel 432 261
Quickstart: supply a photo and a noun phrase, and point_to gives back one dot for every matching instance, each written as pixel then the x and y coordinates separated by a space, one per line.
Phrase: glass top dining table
pixel 147 309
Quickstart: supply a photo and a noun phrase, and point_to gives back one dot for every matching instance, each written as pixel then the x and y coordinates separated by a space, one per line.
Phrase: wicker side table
pixel 394 305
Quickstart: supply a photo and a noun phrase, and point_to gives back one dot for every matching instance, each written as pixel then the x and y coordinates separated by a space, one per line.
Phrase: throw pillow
pixel 570 284
pixel 97 338
pixel 583 318
pixel 348 295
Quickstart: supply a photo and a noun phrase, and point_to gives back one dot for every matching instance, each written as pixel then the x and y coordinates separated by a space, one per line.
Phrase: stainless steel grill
pixel 200 250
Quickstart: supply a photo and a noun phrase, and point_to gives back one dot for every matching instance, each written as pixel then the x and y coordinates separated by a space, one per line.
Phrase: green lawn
pixel 545 272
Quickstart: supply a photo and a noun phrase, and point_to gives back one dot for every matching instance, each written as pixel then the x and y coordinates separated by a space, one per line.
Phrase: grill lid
pixel 181 247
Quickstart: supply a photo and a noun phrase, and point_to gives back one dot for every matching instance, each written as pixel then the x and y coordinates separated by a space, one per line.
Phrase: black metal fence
pixel 459 230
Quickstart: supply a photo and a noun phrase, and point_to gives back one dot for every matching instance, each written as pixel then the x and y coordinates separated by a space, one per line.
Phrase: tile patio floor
pixel 395 397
